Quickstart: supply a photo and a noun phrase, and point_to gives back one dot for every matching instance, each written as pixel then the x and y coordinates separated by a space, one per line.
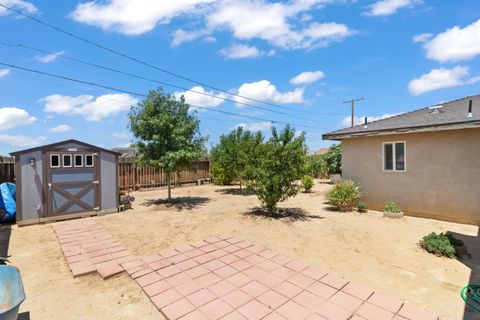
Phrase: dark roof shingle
pixel 451 113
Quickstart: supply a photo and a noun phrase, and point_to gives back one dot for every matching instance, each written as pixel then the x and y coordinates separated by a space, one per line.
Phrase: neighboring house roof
pixel 126 152
pixel 53 145
pixel 320 151
pixel 445 116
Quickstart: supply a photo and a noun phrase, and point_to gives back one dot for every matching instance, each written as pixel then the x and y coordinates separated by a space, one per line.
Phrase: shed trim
pixel 52 145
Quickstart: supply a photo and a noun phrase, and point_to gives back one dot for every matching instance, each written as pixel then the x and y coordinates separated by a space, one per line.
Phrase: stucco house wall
pixel 442 178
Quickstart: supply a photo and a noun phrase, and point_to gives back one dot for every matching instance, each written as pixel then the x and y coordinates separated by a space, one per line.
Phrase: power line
pixel 61 56
pixel 121 54
pixel 143 95
pixel 352 102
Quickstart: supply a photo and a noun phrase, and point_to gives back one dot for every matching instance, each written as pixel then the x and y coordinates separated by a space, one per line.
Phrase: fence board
pixel 133 176
pixel 7 169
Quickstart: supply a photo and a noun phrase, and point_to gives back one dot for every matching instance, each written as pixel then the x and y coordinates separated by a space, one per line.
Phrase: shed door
pixel 73 185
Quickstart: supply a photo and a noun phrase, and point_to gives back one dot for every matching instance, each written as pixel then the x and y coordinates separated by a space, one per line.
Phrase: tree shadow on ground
pixel 179 203
pixel 236 191
pixel 290 214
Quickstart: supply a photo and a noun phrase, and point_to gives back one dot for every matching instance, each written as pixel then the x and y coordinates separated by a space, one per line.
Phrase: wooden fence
pixel 7 169
pixel 133 176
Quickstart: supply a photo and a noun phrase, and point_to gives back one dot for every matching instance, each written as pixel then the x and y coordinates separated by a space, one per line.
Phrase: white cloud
pixel 240 51
pixel 89 107
pixel 134 17
pixel 121 135
pixel 347 121
pixel 11 117
pixel 389 7
pixel 17 4
pixel 21 140
pixel 60 128
pixel 307 77
pixel 255 126
pixel 49 57
pixel 201 100
pixel 4 72
pixel 265 91
pixel 279 24
pixel 455 44
pixel 422 37
pixel 441 78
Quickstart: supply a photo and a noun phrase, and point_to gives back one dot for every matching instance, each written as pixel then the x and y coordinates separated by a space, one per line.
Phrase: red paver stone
pixel 272 299
pixel 165 298
pixel 275 316
pixel 225 271
pixel 254 310
pixel 281 259
pixel 292 310
pixel 218 253
pixel 160 264
pixel 255 272
pixel 205 258
pixel 187 264
pixel 240 265
pixel 268 265
pixel 358 291
pixel 287 289
pixel 197 271
pixel 194 315
pixel 314 273
pixel 242 253
pixel 254 288
pixel 237 298
pixel 222 288
pixel 216 309
pixel 267 254
pixel 412 312
pixel 283 272
pixel 301 280
pixel 157 287
pixel 232 248
pixel 322 290
pixel 334 281
pixel 189 288
pixel 201 297
pixel 234 240
pixel 332 312
pixel 179 279
pixel 177 259
pixel 142 272
pixel 385 302
pixel 235 315
pixel 208 279
pixel 239 279
pixel 178 309
pixel 229 258
pixel 255 259
pixel 371 312
pixel 346 301
pixel 169 271
pixel 397 317
pixel 256 248
pixel 214 265
pixel 83 270
pixel 148 279
pixel 270 280
pixel 296 265
pixel 110 270
pixel 315 316
pixel 308 300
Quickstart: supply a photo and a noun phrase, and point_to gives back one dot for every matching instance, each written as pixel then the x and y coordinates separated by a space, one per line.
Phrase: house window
pixel 78 160
pixel 89 160
pixel 54 161
pixel 67 160
pixel 394 156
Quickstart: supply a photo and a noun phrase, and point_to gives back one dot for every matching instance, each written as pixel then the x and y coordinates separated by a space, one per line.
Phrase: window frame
pixel 59 161
pixel 63 160
pixel 93 160
pixel 75 160
pixel 394 154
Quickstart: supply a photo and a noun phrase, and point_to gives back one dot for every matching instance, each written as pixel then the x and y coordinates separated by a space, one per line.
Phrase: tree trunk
pixel 169 185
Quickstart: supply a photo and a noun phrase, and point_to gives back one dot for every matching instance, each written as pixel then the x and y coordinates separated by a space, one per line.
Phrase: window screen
pixel 388 156
pixel 78 160
pixel 89 160
pixel 400 156
pixel 67 160
pixel 54 161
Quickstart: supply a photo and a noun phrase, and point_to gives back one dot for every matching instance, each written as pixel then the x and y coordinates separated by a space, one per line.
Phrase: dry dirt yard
pixel 378 252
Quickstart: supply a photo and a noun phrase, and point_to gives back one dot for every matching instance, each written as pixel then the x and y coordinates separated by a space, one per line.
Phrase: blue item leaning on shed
pixel 11 292
pixel 8 201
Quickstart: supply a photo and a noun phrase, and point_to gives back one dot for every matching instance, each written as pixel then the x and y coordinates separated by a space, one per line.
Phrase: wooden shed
pixel 64 180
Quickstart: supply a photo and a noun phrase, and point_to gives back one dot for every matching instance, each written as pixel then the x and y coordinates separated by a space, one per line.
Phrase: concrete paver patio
pixel 225 277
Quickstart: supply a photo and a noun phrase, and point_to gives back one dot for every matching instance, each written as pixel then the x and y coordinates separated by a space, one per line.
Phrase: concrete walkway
pixel 225 277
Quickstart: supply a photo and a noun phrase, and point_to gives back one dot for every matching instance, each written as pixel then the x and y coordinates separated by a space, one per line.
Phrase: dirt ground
pixel 378 252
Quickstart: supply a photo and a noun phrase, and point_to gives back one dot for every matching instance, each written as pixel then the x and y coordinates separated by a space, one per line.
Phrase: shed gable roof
pixel 52 145
pixel 452 114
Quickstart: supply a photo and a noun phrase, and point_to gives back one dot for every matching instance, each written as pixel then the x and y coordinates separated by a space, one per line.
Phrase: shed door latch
pixel 96 208
pixel 49 186
pixel 96 182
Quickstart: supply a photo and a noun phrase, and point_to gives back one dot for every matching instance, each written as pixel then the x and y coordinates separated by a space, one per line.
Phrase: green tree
pixel 334 159
pixel 235 155
pixel 282 163
pixel 316 166
pixel 167 133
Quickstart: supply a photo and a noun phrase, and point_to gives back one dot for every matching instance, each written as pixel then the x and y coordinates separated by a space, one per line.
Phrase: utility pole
pixel 352 102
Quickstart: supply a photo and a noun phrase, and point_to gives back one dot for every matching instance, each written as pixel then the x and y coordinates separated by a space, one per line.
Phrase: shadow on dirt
pixel 236 191
pixel 290 214
pixel 179 203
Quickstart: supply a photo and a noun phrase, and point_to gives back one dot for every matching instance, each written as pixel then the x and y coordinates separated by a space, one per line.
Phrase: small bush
pixel 344 194
pixel 362 206
pixel 221 176
pixel 307 183
pixel 440 244
pixel 392 207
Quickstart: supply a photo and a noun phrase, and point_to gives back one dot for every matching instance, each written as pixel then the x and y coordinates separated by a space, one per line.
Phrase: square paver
pixel 385 302
pixel 254 288
pixel 346 301
pixel 358 291
pixel 331 311
pixel 237 298
pixel 334 281
pixel 272 299
pixel 254 310
pixel 216 309
pixel 288 289
pixel 308 300
pixel 371 312
pixel 292 310
pixel 201 297
pixel 178 309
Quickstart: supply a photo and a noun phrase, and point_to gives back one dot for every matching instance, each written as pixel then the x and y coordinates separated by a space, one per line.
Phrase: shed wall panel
pixel 31 185
pixel 108 180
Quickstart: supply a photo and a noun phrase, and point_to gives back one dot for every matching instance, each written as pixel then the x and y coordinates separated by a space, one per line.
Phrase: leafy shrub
pixel 220 176
pixel 392 207
pixel 344 194
pixel 440 244
pixel 362 206
pixel 316 166
pixel 333 158
pixel 307 183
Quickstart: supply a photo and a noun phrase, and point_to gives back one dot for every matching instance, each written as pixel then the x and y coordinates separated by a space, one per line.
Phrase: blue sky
pixel 304 56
